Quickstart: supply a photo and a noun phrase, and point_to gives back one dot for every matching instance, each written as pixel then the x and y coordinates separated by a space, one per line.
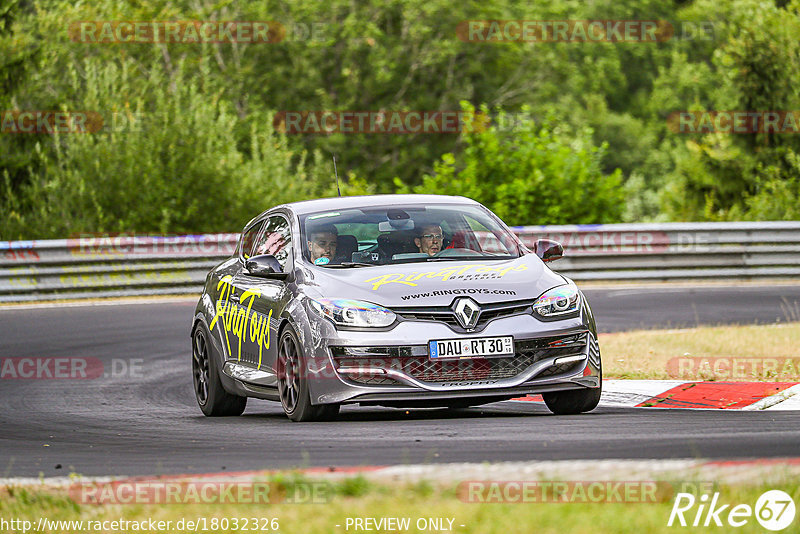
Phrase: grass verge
pixel 751 353
pixel 360 498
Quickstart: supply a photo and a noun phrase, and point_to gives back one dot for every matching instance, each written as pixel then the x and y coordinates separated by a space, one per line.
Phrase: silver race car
pixel 395 300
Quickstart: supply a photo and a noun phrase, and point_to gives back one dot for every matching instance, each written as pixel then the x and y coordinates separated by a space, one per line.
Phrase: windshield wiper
pixel 346 264
pixel 468 258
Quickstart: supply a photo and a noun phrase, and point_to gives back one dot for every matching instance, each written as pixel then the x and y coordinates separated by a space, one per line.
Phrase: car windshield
pixel 405 234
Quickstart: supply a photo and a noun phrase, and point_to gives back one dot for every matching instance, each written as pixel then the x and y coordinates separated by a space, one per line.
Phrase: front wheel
pixel 577 401
pixel 293 384
pixel 211 396
pixel 573 402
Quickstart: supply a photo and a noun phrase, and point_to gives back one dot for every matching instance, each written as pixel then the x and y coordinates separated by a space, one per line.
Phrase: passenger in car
pixel 429 239
pixel 322 244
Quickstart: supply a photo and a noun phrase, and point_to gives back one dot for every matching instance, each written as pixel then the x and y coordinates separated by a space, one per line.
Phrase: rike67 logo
pixel 774 510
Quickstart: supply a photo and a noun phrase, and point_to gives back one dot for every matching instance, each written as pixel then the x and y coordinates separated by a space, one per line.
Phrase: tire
pixel 293 384
pixel 574 401
pixel 212 398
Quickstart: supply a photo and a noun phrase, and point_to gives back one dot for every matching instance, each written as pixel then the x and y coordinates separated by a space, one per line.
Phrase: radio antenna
pixel 337 175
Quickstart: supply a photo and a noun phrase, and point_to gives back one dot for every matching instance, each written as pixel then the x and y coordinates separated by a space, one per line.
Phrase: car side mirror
pixel 548 250
pixel 265 266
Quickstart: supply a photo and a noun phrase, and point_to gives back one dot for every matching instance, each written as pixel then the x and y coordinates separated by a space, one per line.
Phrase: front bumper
pixel 387 366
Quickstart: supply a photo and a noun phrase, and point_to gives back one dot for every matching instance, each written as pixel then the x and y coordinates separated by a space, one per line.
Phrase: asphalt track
pixel 146 422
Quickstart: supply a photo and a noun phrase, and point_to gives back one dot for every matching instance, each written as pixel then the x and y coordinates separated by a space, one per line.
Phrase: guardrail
pixel 109 266
pixel 104 266
pixel 668 251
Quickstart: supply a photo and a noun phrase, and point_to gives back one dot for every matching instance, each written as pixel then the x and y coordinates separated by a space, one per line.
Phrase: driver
pixel 429 239
pixel 322 244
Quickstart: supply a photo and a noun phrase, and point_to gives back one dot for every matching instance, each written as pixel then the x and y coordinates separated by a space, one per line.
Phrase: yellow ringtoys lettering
pixel 444 274
pixel 378 281
pixel 238 319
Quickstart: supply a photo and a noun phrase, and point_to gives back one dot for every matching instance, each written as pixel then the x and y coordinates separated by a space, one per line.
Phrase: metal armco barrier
pixel 670 251
pixel 103 266
pixel 109 266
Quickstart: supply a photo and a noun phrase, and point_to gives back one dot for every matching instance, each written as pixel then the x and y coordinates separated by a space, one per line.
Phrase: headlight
pixel 353 313
pixel 560 302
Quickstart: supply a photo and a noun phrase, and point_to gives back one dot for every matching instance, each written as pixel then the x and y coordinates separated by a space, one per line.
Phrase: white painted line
pixel 681 285
pixel 788 399
pixel 792 403
pixel 120 301
pixel 633 392
pixel 630 393
pixel 753 471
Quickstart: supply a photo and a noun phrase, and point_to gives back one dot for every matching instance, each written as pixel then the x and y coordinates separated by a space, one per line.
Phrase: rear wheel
pixel 293 384
pixel 211 396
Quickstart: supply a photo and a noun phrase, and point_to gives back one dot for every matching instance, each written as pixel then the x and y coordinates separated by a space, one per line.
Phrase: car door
pixel 261 300
pixel 226 294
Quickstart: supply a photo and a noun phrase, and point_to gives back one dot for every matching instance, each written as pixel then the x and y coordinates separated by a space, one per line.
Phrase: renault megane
pixel 395 300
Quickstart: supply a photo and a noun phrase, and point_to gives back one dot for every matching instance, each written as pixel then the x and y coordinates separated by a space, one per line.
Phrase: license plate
pixel 475 347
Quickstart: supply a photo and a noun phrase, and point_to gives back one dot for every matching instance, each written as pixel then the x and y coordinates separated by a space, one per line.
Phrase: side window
pixel 487 241
pixel 276 240
pixel 249 238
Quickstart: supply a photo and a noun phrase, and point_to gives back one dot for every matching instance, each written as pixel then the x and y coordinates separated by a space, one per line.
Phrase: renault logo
pixel 467 311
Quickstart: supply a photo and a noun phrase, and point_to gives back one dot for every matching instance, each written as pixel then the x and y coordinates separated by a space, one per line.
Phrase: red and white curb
pixel 751 471
pixel 697 395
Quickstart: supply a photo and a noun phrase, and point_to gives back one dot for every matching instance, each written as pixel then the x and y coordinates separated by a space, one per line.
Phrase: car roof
pixel 334 203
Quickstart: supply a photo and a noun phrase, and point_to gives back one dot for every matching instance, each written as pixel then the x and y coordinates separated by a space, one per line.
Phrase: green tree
pixel 171 165
pixel 720 176
pixel 532 174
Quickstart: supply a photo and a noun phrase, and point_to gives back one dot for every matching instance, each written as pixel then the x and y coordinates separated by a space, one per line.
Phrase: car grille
pixel 361 362
pixel 444 314
pixel 569 367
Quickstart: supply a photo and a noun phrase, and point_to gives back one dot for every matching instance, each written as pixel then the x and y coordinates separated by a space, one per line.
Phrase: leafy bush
pixel 754 67
pixel 205 156
pixel 182 163
pixel 532 174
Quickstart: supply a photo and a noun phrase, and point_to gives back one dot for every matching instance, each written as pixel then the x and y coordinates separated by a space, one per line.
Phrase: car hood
pixel 436 283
